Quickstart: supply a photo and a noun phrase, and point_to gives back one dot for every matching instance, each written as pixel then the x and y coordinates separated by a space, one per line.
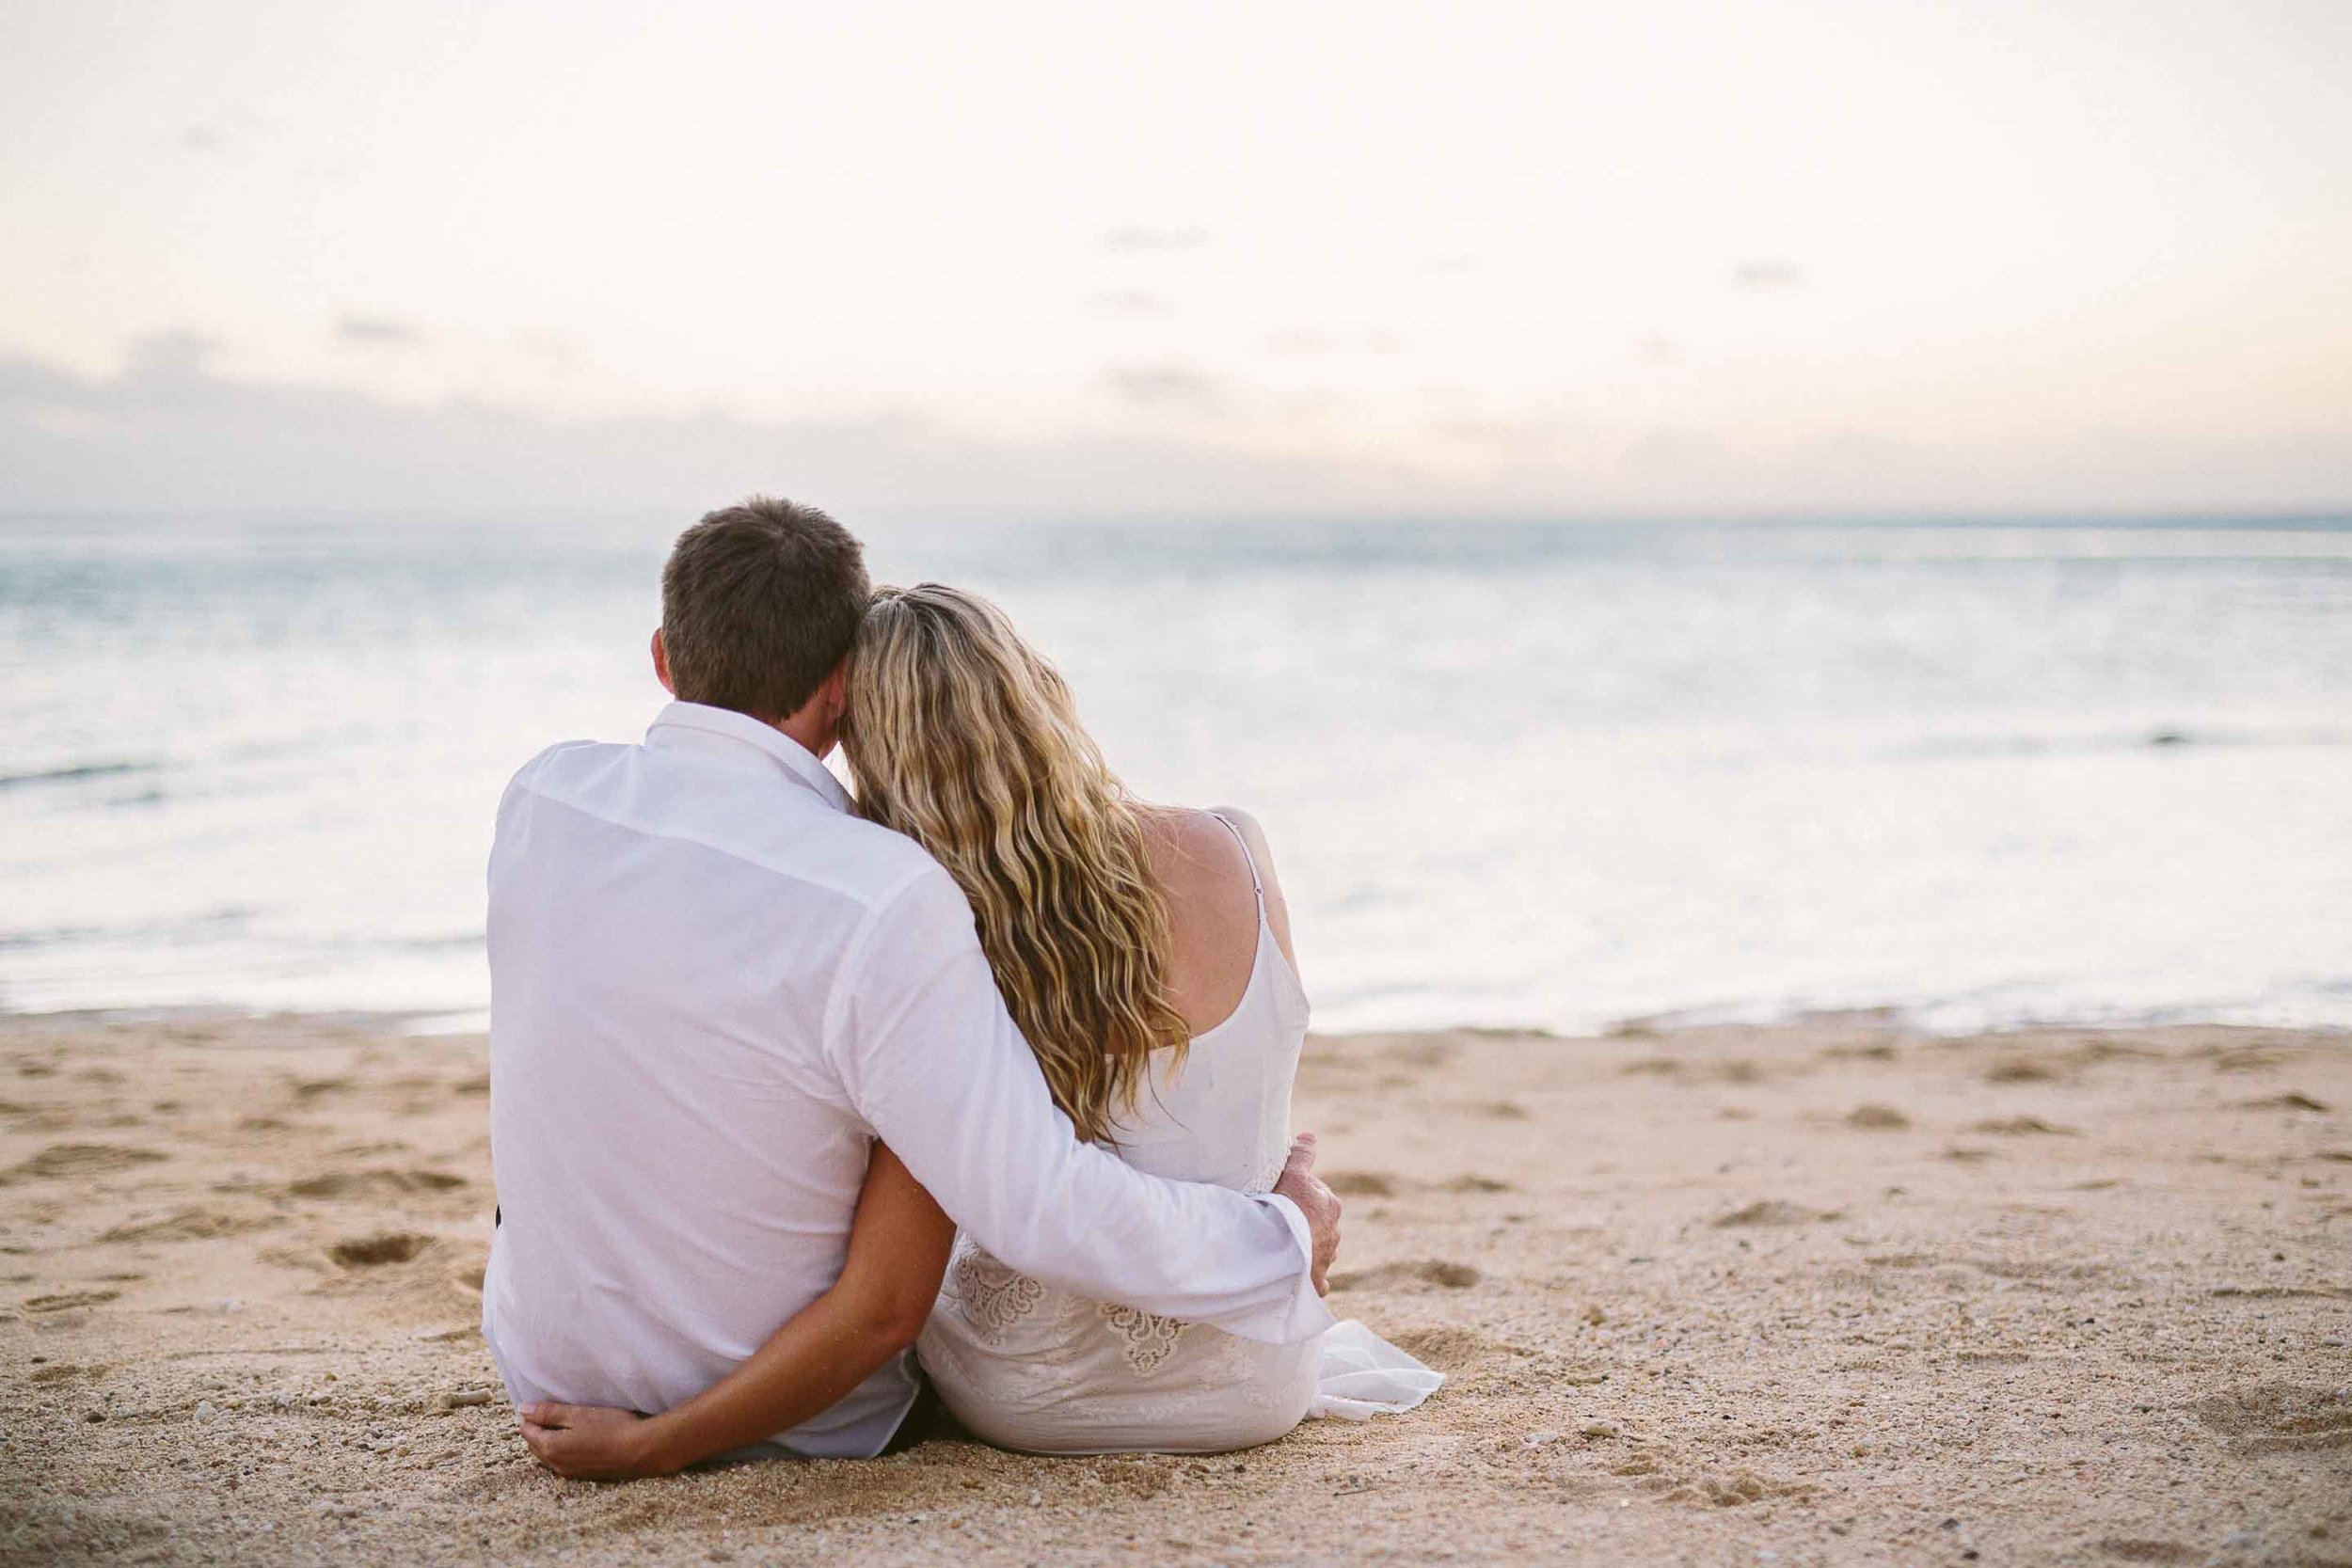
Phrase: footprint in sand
pixel 2247 1058
pixel 2020 1069
pixel 1771 1212
pixel 1736 1490
pixel 2023 1127
pixel 2093 1050
pixel 1878 1118
pixel 71 1160
pixel 2288 1101
pixel 2135 1549
pixel 1427 1271
pixel 189 1225
pixel 375 1183
pixel 1477 1184
pixel 1361 1184
pixel 391 1247
pixel 1455 1348
pixel 67 1301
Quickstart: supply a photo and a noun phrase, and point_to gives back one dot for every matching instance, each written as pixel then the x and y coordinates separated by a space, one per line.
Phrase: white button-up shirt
pixel 711 985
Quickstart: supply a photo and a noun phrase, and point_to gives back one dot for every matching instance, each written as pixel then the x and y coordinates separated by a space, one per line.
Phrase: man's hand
pixel 1316 1201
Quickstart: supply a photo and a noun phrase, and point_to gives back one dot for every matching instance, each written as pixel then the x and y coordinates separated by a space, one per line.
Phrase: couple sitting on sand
pixel 992 1063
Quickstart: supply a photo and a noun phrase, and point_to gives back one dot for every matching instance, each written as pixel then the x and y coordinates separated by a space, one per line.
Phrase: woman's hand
pixel 586 1442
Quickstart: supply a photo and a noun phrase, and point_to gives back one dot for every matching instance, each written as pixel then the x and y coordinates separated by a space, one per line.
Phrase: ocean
pixel 1562 775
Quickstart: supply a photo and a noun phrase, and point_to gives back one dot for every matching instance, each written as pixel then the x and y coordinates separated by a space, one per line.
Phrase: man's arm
pixel 934 1064
pixel 898 1252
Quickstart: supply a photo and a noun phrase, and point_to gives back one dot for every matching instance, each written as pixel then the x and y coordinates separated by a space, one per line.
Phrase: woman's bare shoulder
pixel 1252 834
pixel 1262 856
pixel 1187 844
pixel 1202 869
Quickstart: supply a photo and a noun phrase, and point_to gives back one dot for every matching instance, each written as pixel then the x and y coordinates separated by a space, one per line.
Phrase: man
pixel 712 988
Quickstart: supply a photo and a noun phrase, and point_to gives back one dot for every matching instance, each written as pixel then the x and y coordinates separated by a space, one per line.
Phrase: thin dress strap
pixel 1247 859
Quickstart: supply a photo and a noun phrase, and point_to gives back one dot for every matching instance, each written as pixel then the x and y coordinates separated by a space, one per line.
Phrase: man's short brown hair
pixel 760 603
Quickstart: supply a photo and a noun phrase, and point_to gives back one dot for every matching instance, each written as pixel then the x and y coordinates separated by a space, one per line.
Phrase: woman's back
pixel 1030 1366
pixel 1230 972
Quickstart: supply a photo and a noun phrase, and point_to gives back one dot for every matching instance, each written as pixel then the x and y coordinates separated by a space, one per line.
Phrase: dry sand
pixel 1829 1294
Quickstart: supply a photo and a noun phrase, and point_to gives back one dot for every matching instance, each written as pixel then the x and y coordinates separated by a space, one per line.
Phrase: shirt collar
pixel 696 719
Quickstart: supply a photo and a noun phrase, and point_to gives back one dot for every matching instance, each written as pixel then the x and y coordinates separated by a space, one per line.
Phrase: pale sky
pixel 1565 257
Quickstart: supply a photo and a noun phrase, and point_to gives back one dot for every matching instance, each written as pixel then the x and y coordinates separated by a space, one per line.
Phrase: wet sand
pixel 1822 1293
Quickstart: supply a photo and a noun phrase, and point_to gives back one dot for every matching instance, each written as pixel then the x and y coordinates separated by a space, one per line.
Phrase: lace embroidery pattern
pixel 1147 1340
pixel 993 1296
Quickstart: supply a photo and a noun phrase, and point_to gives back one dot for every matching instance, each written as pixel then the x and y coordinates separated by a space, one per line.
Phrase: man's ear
pixel 836 693
pixel 661 664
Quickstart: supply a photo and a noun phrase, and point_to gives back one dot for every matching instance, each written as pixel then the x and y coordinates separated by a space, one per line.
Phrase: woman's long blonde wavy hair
pixel 967 741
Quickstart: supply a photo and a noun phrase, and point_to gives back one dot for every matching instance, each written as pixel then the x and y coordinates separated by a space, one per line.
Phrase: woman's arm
pixel 898 1250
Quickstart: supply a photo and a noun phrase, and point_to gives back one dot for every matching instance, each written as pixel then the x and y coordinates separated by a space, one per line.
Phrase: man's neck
pixel 816 738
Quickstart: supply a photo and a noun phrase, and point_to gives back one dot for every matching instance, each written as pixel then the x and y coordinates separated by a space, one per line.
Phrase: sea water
pixel 1515 773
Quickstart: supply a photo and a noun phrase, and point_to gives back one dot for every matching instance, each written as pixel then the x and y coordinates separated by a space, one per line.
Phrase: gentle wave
pixel 76 774
pixel 1516 772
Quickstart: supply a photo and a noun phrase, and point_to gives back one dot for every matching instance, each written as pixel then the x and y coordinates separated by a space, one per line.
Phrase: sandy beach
pixel 1832 1292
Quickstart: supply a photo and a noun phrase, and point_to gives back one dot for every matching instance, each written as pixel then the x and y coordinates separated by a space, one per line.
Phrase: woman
pixel 1145 953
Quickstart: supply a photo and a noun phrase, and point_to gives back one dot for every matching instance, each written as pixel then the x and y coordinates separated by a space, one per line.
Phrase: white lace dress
pixel 1028 1366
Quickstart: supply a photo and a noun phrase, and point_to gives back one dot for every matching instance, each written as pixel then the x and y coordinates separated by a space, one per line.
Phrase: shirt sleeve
pixel 932 1060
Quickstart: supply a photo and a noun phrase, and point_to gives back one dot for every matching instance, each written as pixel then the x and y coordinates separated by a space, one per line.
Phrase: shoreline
pixel 1835 1289
pixel 1908 1019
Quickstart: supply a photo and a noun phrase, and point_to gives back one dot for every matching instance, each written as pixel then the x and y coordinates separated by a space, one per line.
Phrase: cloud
pixel 1139 238
pixel 1766 275
pixel 1167 387
pixel 202 138
pixel 375 330
pixel 1129 302
pixel 171 431
pixel 168 433
pixel 166 356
